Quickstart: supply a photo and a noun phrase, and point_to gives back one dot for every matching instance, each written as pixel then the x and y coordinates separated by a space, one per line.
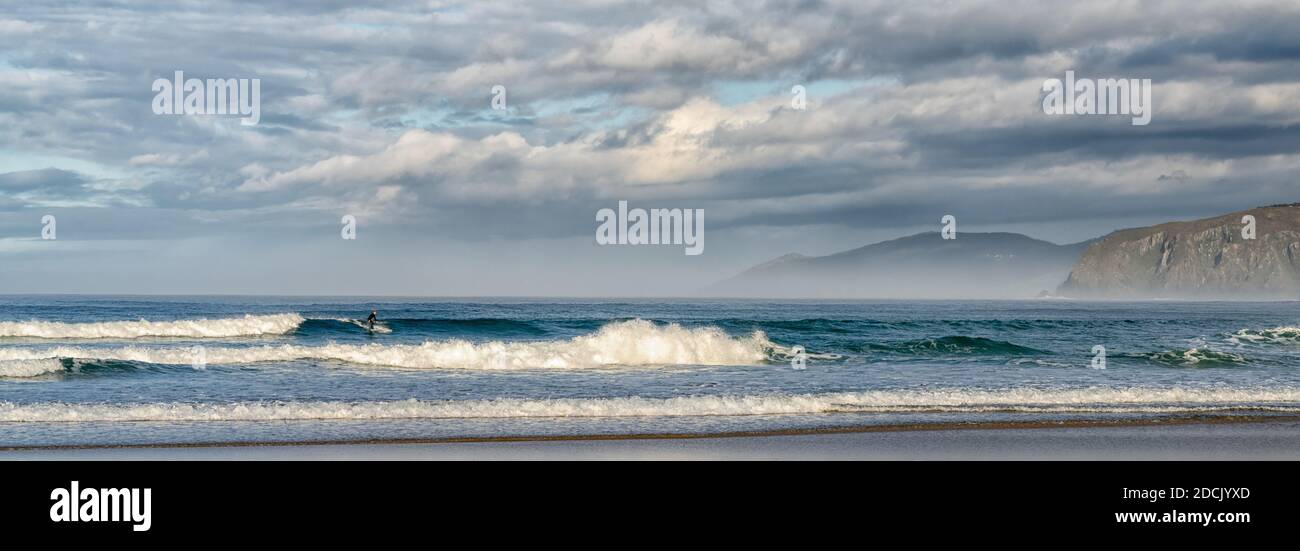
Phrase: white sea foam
pixel 1090 400
pixel 627 343
pixel 29 368
pixel 1038 362
pixel 246 326
pixel 1276 335
pixel 1192 356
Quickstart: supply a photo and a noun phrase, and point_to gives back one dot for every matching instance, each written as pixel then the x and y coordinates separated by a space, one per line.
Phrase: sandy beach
pixel 1214 440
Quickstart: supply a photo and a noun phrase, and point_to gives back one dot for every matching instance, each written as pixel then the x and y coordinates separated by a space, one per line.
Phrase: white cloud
pixel 19 27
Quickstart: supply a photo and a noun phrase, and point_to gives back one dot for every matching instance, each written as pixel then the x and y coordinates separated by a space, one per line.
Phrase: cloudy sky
pixel 384 112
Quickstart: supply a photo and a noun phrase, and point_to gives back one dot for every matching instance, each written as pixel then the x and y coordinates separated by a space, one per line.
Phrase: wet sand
pixel 1182 439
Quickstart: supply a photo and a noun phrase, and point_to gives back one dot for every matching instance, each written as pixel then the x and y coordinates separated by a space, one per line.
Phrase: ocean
pixel 89 371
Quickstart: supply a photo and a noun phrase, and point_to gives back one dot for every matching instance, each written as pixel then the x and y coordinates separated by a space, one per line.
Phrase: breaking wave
pixel 247 326
pixel 627 343
pixel 1276 335
pixel 1091 400
pixel 1195 356
pixel 29 368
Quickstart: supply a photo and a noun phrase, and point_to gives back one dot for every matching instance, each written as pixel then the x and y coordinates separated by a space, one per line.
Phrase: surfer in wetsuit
pixel 374 314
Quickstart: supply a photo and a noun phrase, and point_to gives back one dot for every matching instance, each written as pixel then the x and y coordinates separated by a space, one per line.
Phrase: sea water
pixel 152 370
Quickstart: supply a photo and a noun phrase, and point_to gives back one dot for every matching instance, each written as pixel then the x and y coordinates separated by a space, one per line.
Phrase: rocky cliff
pixel 1207 258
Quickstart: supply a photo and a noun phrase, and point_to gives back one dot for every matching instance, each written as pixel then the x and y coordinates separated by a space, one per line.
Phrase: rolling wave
pixel 1090 400
pixel 247 326
pixel 379 327
pixel 627 343
pixel 955 344
pixel 495 327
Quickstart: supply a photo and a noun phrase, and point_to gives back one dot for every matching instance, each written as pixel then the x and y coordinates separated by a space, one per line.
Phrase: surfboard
pixel 378 328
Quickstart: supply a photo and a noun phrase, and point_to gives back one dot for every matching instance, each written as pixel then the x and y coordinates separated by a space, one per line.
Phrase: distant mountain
pixel 1198 259
pixel 975 265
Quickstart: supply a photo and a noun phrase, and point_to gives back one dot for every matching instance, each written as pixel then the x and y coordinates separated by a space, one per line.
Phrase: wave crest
pixel 956 344
pixel 1196 356
pixel 1276 335
pixel 627 343
pixel 247 326
pixel 29 368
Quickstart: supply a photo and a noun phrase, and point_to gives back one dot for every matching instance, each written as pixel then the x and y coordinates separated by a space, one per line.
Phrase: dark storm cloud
pixel 997 147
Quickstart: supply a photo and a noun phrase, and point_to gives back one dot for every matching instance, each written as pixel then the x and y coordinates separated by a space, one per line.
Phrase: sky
pixel 383 111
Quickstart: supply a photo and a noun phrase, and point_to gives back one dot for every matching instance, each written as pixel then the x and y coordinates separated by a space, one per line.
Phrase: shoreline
pixel 964 426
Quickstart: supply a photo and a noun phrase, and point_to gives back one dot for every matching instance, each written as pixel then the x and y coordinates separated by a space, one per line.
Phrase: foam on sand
pixel 246 326
pixel 626 343
pixel 1091 400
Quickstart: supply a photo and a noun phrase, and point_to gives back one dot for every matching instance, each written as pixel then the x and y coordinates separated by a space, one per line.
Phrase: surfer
pixel 374 314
